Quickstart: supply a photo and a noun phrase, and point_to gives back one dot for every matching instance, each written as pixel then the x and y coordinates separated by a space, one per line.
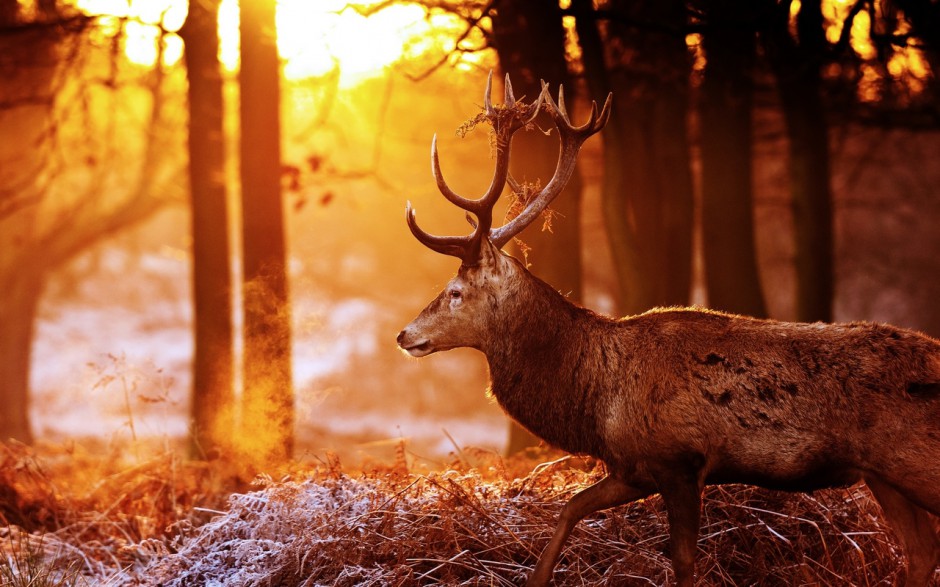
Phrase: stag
pixel 677 398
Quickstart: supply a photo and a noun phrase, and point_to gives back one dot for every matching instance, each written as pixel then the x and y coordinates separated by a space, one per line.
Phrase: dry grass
pixel 83 510
pixel 481 522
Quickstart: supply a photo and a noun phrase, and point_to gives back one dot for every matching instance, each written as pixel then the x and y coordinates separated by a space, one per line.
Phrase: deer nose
pixel 401 337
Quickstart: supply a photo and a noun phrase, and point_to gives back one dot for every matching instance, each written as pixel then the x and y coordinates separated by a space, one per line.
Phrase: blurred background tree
pixel 65 182
pixel 771 157
pixel 213 394
pixel 725 113
pixel 638 51
pixel 267 415
pixel 795 55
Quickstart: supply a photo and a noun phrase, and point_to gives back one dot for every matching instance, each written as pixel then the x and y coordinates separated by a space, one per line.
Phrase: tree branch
pixel 845 36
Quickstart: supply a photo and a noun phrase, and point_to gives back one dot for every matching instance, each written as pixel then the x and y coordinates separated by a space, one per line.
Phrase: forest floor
pixel 70 516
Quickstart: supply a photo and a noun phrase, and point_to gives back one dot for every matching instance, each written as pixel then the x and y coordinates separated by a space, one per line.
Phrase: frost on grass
pixel 371 530
pixel 467 528
pixel 176 523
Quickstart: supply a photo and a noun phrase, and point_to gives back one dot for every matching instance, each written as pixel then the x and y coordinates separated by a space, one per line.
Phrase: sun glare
pixel 314 37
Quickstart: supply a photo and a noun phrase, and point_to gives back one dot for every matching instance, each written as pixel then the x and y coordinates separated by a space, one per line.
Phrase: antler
pixel 506 121
pixel 571 137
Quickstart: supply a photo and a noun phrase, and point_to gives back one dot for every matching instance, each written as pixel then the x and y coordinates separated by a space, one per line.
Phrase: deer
pixel 676 398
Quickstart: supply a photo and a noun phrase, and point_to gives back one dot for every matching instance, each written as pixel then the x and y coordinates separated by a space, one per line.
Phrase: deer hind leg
pixel 608 492
pixel 915 529
pixel 683 500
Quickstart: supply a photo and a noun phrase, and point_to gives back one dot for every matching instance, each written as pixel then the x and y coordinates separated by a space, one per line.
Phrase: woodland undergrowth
pixel 68 517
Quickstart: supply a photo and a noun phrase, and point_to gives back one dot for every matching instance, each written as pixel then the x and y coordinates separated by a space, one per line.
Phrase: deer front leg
pixel 608 492
pixel 683 500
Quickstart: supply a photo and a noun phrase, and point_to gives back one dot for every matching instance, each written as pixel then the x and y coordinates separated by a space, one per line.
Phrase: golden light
pixel 314 37
pixel 142 30
pixel 860 40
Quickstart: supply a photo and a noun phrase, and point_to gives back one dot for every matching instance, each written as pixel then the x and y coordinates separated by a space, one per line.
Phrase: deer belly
pixel 783 466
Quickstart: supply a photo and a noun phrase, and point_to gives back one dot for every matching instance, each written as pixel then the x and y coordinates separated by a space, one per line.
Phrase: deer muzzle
pixel 414 344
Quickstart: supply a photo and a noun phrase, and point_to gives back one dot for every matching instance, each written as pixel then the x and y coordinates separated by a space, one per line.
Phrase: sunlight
pixel 835 12
pixel 314 38
pixel 142 29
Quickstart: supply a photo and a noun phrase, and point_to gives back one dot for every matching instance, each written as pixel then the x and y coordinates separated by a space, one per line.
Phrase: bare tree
pixel 268 401
pixel 47 218
pixel 731 270
pixel 27 114
pixel 924 18
pixel 796 62
pixel 647 191
pixel 213 394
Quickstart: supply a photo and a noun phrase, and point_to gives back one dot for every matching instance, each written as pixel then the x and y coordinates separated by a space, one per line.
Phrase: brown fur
pixel 676 398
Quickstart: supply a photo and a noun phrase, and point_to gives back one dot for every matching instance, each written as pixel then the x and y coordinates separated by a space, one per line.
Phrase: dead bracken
pixel 167 522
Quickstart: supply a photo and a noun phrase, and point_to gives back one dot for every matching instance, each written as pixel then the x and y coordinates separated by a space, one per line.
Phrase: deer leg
pixel 683 501
pixel 914 528
pixel 608 492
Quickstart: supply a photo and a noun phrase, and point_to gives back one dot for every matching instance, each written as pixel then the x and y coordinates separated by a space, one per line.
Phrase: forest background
pixel 201 223
pixel 791 175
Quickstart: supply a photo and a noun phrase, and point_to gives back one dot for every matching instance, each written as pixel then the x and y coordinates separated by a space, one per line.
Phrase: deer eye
pixel 455 294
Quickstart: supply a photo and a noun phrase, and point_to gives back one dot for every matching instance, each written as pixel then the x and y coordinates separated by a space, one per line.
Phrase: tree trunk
pixel 731 270
pixel 797 69
pixel 530 43
pixel 673 161
pixel 268 402
pixel 647 191
pixel 633 285
pixel 212 395
pixel 27 69
pixel 19 300
pixel 38 232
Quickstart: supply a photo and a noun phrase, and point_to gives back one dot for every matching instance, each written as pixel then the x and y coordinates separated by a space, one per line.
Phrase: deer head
pixel 466 311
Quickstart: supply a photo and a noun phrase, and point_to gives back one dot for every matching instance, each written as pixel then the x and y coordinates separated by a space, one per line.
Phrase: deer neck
pixel 538 364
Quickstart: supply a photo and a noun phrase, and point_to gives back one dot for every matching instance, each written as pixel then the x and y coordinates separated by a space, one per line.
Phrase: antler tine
pixel 448 245
pixel 517 118
pixel 514 185
pixel 536 106
pixel 597 122
pixel 571 137
pixel 508 98
pixel 451 195
pixel 561 102
pixel 606 110
pixel 487 96
pixel 484 203
pixel 505 121
pixel 562 121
